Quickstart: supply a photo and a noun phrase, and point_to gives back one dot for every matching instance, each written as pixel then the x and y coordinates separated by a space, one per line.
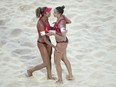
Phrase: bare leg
pixel 37 67
pixel 49 49
pixel 68 66
pixel 45 57
pixel 57 60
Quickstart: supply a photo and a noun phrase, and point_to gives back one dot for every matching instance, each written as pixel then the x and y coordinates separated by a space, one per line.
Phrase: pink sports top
pixel 46 26
pixel 57 24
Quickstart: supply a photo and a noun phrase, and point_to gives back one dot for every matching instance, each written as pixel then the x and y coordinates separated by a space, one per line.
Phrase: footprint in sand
pixel 114 10
pixel 6 59
pixel 97 75
pixel 107 19
pixel 79 0
pixel 2 43
pixel 11 84
pixel 22 51
pixel 2 22
pixel 25 7
pixel 27 44
pixel 99 53
pixel 3 28
pixel 15 32
pixel 29 57
pixel 3 10
pixel 113 32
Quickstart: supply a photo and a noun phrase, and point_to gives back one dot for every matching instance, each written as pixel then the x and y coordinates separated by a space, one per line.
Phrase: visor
pixel 47 10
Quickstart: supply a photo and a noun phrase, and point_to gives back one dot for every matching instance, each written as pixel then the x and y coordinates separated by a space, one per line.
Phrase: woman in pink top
pixel 62 42
pixel 44 43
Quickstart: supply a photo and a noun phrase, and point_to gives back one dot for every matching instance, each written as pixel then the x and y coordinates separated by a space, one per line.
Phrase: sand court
pixel 91 49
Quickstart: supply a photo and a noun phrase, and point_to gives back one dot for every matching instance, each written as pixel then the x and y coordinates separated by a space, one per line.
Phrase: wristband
pixel 63 29
pixel 42 33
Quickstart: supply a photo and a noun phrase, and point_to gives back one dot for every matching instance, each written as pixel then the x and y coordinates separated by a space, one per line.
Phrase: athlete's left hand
pixel 50 34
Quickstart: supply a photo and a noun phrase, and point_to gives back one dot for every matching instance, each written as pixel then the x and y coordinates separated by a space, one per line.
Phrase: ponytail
pixel 38 12
pixel 60 9
pixel 63 7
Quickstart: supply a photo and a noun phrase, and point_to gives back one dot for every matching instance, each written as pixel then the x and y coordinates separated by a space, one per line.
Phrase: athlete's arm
pixel 67 20
pixel 43 34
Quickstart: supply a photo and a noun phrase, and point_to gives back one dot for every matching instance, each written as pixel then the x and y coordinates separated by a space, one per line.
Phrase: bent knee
pixel 64 59
pixel 46 64
pixel 57 62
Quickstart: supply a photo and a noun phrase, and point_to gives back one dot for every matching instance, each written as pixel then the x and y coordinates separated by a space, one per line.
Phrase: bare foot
pixel 70 77
pixel 59 81
pixel 29 73
pixel 51 78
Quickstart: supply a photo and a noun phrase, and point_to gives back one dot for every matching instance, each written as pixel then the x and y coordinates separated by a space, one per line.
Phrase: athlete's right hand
pixel 50 34
pixel 56 48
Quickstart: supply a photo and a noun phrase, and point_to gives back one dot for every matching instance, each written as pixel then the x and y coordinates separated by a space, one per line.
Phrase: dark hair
pixel 60 9
pixel 39 11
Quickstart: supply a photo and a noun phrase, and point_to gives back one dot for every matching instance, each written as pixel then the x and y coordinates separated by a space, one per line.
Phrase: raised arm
pixel 67 20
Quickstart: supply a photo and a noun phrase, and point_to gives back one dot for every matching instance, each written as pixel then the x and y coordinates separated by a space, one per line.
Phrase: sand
pixel 91 49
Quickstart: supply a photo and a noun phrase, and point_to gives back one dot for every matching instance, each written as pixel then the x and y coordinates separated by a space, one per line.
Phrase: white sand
pixel 91 50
